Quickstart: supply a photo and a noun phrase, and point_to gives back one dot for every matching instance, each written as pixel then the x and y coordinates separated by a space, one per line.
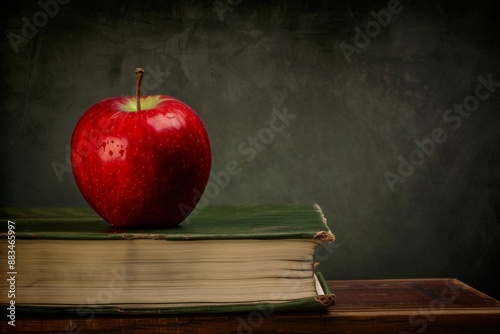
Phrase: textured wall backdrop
pixel 367 88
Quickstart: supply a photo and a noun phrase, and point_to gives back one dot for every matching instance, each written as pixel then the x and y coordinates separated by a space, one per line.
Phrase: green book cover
pixel 215 225
pixel 213 222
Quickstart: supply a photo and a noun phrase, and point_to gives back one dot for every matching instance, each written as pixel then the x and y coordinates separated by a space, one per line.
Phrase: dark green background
pixel 353 119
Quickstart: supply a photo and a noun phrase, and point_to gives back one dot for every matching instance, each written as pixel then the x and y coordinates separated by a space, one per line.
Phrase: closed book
pixel 222 259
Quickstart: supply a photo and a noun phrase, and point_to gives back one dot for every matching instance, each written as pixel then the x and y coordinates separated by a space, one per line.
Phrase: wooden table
pixel 363 306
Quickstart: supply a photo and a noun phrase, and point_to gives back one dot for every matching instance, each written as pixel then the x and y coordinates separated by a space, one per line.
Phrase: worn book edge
pixel 324 236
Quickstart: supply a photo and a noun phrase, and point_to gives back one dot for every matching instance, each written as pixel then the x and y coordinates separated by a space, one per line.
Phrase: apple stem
pixel 139 72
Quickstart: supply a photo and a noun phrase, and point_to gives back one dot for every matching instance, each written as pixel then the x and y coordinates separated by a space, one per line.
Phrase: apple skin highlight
pixel 136 167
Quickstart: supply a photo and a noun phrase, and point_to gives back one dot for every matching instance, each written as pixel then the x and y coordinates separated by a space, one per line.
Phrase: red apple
pixel 137 160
